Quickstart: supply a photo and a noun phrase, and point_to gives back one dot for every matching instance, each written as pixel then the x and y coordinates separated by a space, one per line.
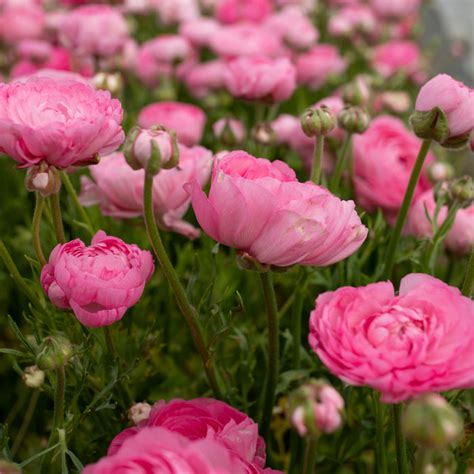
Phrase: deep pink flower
pixel 395 8
pixel 94 30
pixel 417 342
pixel 384 157
pixel 454 98
pixel 260 78
pixel 258 207
pixel 185 119
pixel 397 56
pixel 57 118
pixel 100 282
pixel 318 64
pixel 119 190
pixel 234 11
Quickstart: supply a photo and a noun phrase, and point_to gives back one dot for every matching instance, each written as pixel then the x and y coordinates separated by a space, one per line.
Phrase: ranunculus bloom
pixel 100 282
pixel 234 11
pixel 318 64
pixel 260 78
pixel 395 57
pixel 199 31
pixel 55 118
pixel 158 450
pixel 259 208
pixel 384 157
pixel 460 238
pixel 204 78
pixel 94 30
pixel 20 22
pixel 173 12
pixel 352 19
pixel 185 119
pixel 395 8
pixel 419 341
pixel 118 189
pixel 454 98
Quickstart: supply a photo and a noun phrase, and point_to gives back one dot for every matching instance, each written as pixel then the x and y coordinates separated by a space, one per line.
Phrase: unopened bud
pixel 263 133
pixel 315 408
pixel 462 191
pixel 318 121
pixel 229 131
pixel 54 352
pixel 440 171
pixel 112 82
pixel 430 125
pixel 33 377
pixel 151 149
pixel 353 120
pixel 431 422
pixel 139 412
pixel 356 92
pixel 43 178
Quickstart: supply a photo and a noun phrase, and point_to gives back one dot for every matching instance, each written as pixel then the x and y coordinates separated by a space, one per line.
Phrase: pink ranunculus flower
pixel 417 342
pixel 158 450
pixel 454 98
pixel 100 282
pixel 21 22
pixel 397 56
pixel 56 117
pixel 384 157
pixel 199 31
pixel 352 19
pixel 118 189
pixel 235 11
pixel 203 78
pixel 173 12
pixel 236 127
pixel 460 238
pixel 204 418
pixel 260 78
pixel 318 64
pixel 259 208
pixel 185 119
pixel 395 8
pixel 94 30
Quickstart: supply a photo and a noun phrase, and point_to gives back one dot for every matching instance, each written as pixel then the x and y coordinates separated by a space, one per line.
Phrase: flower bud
pixel 263 133
pixel 353 120
pixel 9 468
pixel 139 412
pixel 440 171
pixel 33 377
pixel 112 82
pixel 315 408
pixel 43 178
pixel 431 422
pixel 431 124
pixel 229 131
pixel 151 149
pixel 54 352
pixel 356 92
pixel 461 190
pixel 318 121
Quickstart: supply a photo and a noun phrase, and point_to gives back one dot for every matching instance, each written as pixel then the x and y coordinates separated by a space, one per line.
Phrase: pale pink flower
pixel 260 78
pixel 21 21
pixel 100 282
pixel 199 31
pixel 203 78
pixel 58 118
pixel 185 119
pixel 171 12
pixel 259 208
pixel 236 127
pixel 417 342
pixel 234 11
pixel 395 57
pixel 395 8
pixel 352 19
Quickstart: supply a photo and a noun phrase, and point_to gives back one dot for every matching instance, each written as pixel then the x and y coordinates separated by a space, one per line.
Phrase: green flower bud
pixel 461 190
pixel 55 352
pixel 353 120
pixel 318 121
pixel 431 124
pixel 44 179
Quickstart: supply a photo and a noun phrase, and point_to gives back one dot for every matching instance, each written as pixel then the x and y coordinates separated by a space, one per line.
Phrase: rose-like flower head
pixel 234 11
pixel 259 208
pixel 260 78
pixel 417 342
pixel 395 57
pixel 100 282
pixel 59 119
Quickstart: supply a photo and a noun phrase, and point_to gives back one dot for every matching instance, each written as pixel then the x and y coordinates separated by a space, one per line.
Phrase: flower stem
pixel 400 440
pixel 336 178
pixel 317 159
pixel 410 191
pixel 273 351
pixel 80 209
pixel 36 229
pixel 26 422
pixel 422 458
pixel 468 285
pixel 184 305
pixel 310 456
pixel 380 454
pixel 57 218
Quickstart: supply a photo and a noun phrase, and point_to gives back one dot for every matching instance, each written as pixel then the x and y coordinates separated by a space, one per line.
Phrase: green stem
pixel 336 178
pixel 80 209
pixel 57 218
pixel 310 456
pixel 423 456
pixel 36 228
pixel 468 285
pixel 317 159
pixel 273 352
pixel 296 321
pixel 185 306
pixel 397 231
pixel 26 422
pixel 400 441
pixel 380 454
